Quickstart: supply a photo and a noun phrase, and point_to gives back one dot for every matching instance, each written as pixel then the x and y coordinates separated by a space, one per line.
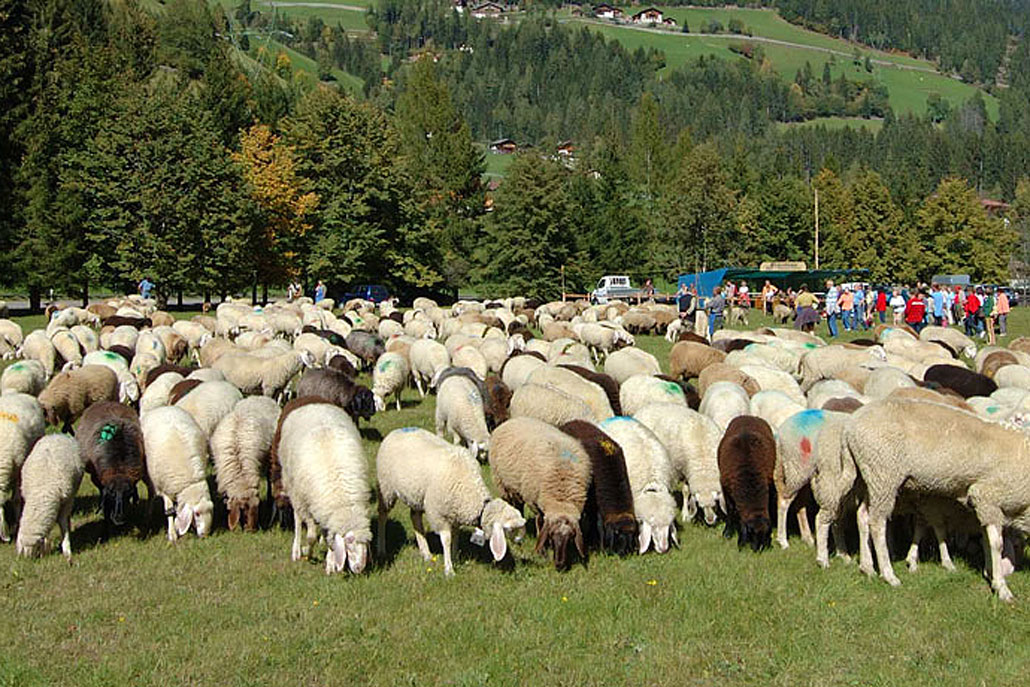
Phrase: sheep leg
pixel 64 521
pixel 878 528
pixel 822 537
pixel 998 583
pixel 170 515
pixel 5 535
pixel 942 546
pixel 782 508
pixel 806 530
pixel 447 542
pixel 865 556
pixel 838 542
pixel 312 537
pixel 420 534
pixel 912 559
pixel 381 543
pixel 418 385
pixel 295 552
pixel 398 397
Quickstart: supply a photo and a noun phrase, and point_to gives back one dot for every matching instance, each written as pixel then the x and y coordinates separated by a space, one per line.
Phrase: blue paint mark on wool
pixel 617 418
pixel 568 455
pixel 405 430
pixel 809 421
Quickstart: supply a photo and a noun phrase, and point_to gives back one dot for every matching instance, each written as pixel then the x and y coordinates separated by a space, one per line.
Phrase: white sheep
pixel 650 477
pixel 576 386
pixel 325 475
pixel 626 362
pixel 11 338
pixel 1013 376
pixel 603 340
pixel 128 386
pixel 444 483
pixel 640 391
pixel 37 346
pixel 21 426
pixel 156 395
pixel 692 441
pixel 269 376
pixel 50 478
pixel 956 340
pixel 459 411
pixel 208 403
pixel 87 338
pixel 823 362
pixel 123 335
pixel 176 456
pixel 824 390
pixel 549 404
pixel 517 370
pixel 206 374
pixel 428 359
pixel 770 379
pixel 885 380
pixel 239 450
pixel 724 401
pixel 496 351
pixel 774 407
pixel 389 376
pixel 25 377
pixel 470 357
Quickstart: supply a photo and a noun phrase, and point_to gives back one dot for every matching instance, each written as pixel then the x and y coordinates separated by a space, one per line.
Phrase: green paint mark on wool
pixel 107 432
pixel 672 388
pixel 18 366
pixel 385 365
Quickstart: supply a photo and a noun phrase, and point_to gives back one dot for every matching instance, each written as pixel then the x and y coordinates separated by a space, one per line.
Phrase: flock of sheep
pixel 922 426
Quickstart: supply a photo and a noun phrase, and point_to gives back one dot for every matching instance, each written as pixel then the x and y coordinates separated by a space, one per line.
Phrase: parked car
pixel 613 286
pixel 376 293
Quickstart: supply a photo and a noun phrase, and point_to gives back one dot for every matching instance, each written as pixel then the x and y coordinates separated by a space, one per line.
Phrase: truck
pixel 613 286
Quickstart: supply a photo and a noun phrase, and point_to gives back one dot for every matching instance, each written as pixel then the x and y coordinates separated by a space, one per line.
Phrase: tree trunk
pixel 35 299
pixel 253 291
pixel 178 298
pixel 85 293
pixel 264 292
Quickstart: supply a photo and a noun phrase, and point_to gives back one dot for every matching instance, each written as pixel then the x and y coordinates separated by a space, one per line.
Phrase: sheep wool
pixel 325 475
pixel 549 404
pixel 724 401
pixel 23 377
pixel 156 394
pixel 21 426
pixel 650 477
pixel 642 390
pixel 239 450
pixel 428 359
pixel 176 455
pixel 626 362
pixel 775 407
pixel 70 393
pixel 208 403
pixel 253 374
pixel 747 457
pixel 516 370
pixel 443 483
pixel 50 478
pixel 389 376
pixel 461 412
pixel 576 386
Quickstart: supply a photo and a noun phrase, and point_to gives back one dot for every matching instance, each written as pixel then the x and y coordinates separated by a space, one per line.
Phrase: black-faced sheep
pixel 747 458
pixel 111 444
pixel 366 346
pixel 610 499
pixel 964 382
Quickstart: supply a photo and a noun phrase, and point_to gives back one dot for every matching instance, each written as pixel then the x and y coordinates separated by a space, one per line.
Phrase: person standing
pixel 897 304
pixel 744 295
pixel 915 311
pixel 1002 308
pixel 730 293
pixel 686 302
pixel 319 291
pixel 859 311
pixel 715 306
pixel 987 312
pixel 847 309
pixel 145 287
pixel 937 295
pixel 768 294
pixel 832 307
pixel 970 308
pixel 881 303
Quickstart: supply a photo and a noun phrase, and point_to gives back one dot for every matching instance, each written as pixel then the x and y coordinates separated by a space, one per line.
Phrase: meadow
pixel 233 609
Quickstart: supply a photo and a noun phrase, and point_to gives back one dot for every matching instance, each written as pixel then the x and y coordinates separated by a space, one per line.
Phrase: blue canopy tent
pixel 705 282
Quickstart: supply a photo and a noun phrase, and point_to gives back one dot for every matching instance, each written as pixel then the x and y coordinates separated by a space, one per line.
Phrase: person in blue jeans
pixel 715 306
pixel 145 287
pixel 832 308
pixel 319 291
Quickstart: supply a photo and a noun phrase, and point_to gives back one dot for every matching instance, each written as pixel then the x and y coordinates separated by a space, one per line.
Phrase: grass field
pixel 234 610
pixel 873 125
pixel 350 20
pixel 303 63
pixel 497 165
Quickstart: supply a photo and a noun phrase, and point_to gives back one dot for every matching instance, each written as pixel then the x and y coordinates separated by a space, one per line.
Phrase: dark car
pixel 376 293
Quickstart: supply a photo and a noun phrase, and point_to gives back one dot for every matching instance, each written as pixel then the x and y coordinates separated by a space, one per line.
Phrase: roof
pixel 501 142
pixel 706 281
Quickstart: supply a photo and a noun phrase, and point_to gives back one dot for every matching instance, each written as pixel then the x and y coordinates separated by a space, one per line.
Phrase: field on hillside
pixel 234 610
pixel 873 125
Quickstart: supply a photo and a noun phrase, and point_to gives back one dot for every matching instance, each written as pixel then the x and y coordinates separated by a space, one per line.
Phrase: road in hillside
pixel 763 39
pixel 352 8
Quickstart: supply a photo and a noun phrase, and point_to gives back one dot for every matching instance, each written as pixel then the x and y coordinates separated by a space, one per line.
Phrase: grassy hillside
pixel 332 14
pixel 873 125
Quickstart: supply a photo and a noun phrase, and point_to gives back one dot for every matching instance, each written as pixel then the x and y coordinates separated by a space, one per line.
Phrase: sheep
pixel 650 476
pixel 974 462
pixel 428 359
pixel 575 385
pixel 568 351
pixel 460 411
pixel 747 456
pixel 956 340
pixel 156 394
pixel 86 337
pixel 211 351
pixel 687 359
pixel 21 426
pixel 342 363
pixel 516 370
pixel 609 385
pixel 885 380
pixel 389 376
pixel 111 445
pixel 796 443
pixel 336 388
pixel 832 483
pixel 781 313
pixel 470 357
pixel 916 393
pixel 496 351
pixel 176 450
pixel 769 379
pixel 639 322
pixel 207 403
pixel 50 478
pixel 548 404
pixel 826 389
pixel 822 363
pixel 691 440
pixel 128 386
pixel 536 464
pixel 603 340
pixel 25 377
pixel 964 382
pixel 239 450
pixel 268 376
pixel 368 347
pixel 149 342
pixel 69 393
pixel 11 337
pixel 1010 377
pixel 721 372
pixel 642 390
pixel 724 401
pixel 774 407
pixel 443 483
pixel 626 362
pixel 37 346
pixel 995 361
pixel 325 474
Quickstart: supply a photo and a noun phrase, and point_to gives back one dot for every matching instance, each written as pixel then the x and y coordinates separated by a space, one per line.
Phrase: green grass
pixel 873 125
pixel 497 165
pixel 234 610
pixel 350 20
pixel 304 64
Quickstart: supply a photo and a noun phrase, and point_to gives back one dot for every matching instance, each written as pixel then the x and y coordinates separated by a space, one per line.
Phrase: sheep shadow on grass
pixel 369 433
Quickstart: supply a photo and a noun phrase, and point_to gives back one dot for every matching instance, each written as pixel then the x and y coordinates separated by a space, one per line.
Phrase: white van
pixel 613 286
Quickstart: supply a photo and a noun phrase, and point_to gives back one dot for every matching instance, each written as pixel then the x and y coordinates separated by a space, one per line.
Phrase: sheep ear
pixel 357 553
pixel 580 546
pixel 336 557
pixel 690 508
pixel 645 537
pixel 675 536
pixel 183 520
pixel 498 543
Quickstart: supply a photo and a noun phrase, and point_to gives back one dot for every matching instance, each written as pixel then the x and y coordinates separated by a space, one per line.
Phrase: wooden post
pixel 563 283
pixel 817 228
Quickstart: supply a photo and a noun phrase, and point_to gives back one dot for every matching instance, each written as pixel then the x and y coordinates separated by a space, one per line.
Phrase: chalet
pixel 604 11
pixel 651 15
pixel 565 149
pixel 487 9
pixel 994 207
pixel 459 6
pixel 504 146
pixel 670 22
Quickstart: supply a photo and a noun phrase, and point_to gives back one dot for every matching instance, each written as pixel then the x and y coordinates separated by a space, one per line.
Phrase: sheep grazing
pixel 497 401
pixel 21 426
pixel 687 359
pixel 167 368
pixel 747 458
pixel 428 359
pixel 825 361
pixel 577 386
pixel 610 386
pixel 368 347
pixel 976 462
pixel 642 390
pixel 23 377
pixel 722 372
pixel 470 357
pixel 239 450
pixel 389 376
pixel 626 362
pixel 253 374
pixel 443 483
pixel 724 401
pixel 70 393
pixel 37 346
pixel 336 388
pixel 460 411
pixel 964 382
pixel 516 369
pixel 536 464
pixel 650 477
pixel 325 474
pixel 549 404
pixel 341 363
pixel 111 445
pixel 176 461
pixel 50 478
pixel 207 403
pixel 610 499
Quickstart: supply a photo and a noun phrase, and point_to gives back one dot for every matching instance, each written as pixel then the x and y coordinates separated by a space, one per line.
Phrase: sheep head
pixel 656 511
pixel 115 497
pixel 347 550
pixel 498 519
pixel 620 533
pixel 755 531
pixel 195 510
pixel 556 534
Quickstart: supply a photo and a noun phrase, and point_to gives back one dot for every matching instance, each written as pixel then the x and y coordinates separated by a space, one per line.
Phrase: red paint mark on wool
pixel 806 449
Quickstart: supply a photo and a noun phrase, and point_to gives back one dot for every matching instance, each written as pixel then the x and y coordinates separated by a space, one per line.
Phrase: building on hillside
pixel 651 15
pixel 670 22
pixel 565 149
pixel 605 11
pixel 504 146
pixel 994 207
pixel 459 6
pixel 487 10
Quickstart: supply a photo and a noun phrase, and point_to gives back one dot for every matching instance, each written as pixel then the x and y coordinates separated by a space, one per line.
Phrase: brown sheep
pixel 102 310
pixel 496 401
pixel 167 367
pixel 845 404
pixel 68 394
pixel 339 390
pixel 552 331
pixel 663 318
pixel 162 319
pixel 747 458
pixel 688 359
pixel 686 335
pixel 995 361
pixel 181 389
pixel 721 372
pixel 1021 344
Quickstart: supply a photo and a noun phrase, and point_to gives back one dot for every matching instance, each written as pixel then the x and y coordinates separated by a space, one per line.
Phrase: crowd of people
pixel 983 311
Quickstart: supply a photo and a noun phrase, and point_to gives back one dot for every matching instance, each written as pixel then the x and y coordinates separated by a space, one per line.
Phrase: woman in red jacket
pixel 881 304
pixel 915 312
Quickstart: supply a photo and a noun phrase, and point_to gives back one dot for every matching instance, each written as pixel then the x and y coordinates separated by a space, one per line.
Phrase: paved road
pixel 187 301
pixel 333 6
